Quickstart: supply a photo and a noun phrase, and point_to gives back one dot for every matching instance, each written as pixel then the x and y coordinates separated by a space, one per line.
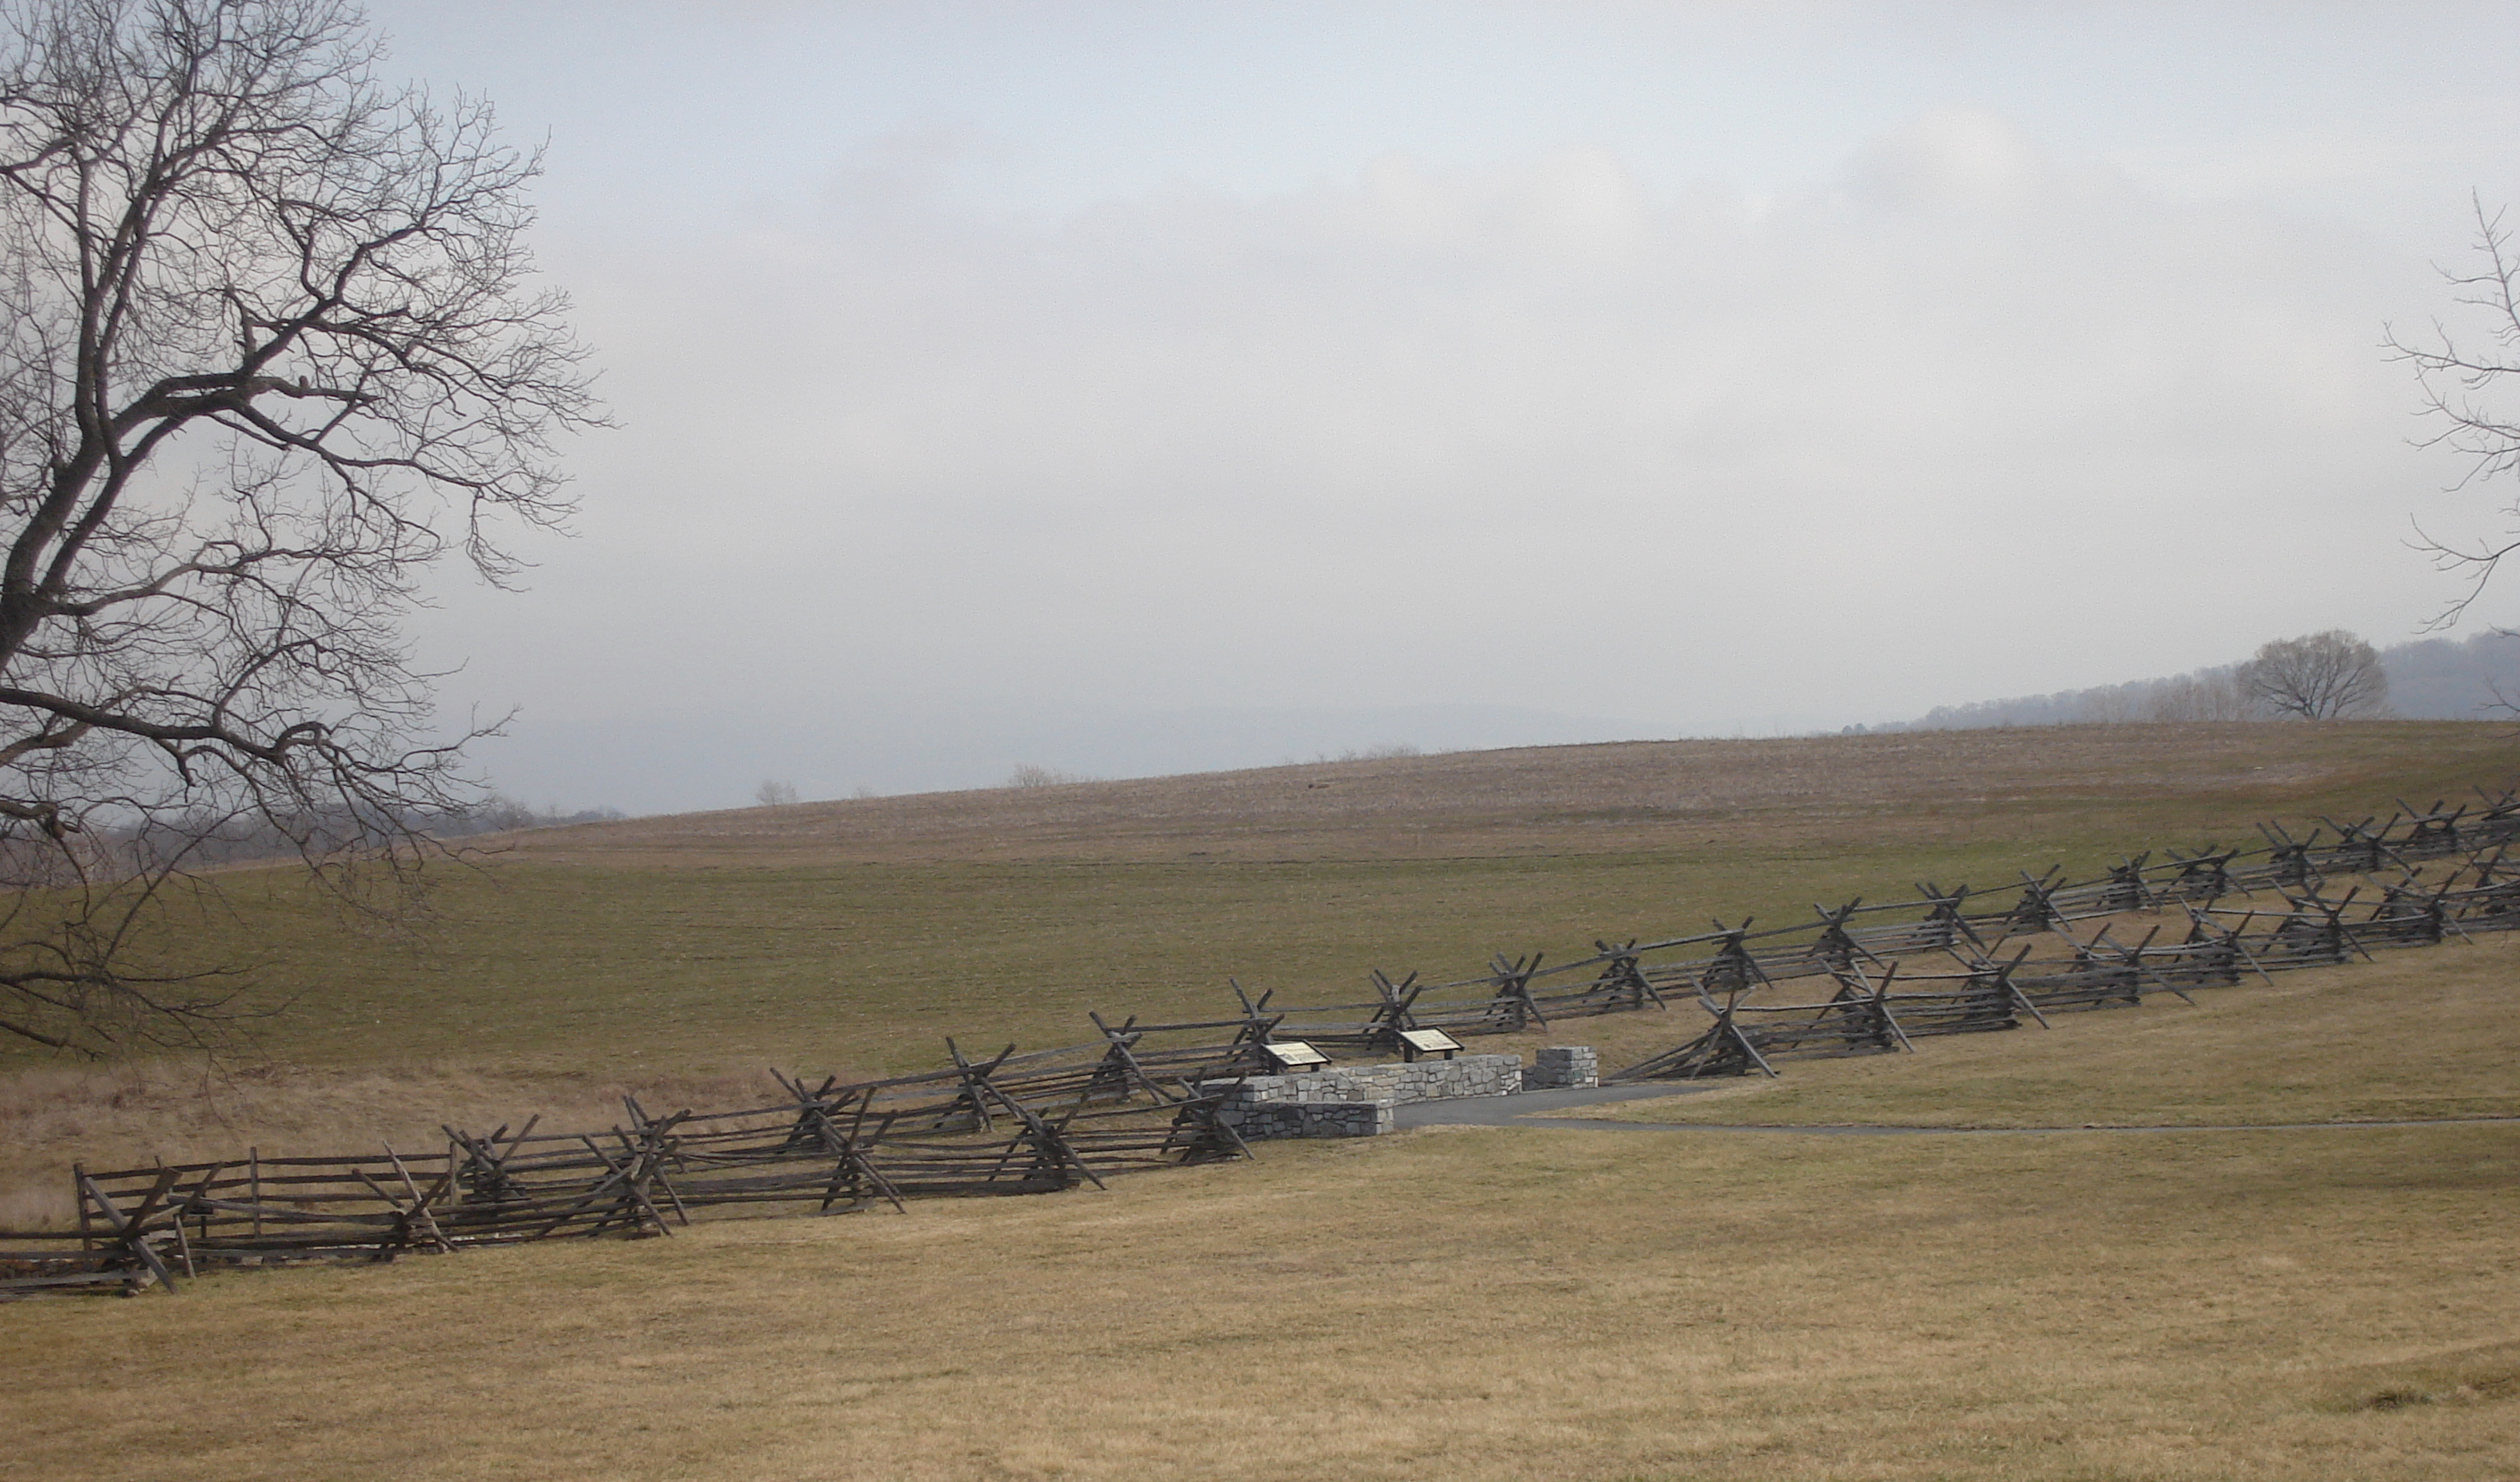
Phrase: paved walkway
pixel 1534 1108
pixel 1509 1110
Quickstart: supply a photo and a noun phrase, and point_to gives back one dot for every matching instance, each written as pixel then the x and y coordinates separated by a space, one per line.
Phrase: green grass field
pixel 1558 1301
pixel 855 935
pixel 677 957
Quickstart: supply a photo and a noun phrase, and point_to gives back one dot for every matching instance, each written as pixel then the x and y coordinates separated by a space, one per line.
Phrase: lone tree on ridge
pixel 270 354
pixel 2321 676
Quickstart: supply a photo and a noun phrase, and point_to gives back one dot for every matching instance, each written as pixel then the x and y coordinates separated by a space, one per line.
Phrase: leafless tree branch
pixel 268 349
pixel 2455 379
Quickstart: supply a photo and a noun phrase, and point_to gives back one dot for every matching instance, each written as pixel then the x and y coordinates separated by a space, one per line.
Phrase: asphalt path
pixel 1509 1110
pixel 1534 1108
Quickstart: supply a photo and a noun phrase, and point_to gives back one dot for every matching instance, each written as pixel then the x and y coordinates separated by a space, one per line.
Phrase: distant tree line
pixel 239 837
pixel 2319 676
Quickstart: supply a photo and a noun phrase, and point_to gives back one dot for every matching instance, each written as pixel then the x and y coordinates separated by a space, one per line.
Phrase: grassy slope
pixel 1475 1304
pixel 2417 1035
pixel 676 956
pixel 1736 797
pixel 1479 1304
pixel 873 929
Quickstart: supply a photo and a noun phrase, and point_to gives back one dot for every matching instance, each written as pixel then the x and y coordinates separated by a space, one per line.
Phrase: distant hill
pixel 2429 679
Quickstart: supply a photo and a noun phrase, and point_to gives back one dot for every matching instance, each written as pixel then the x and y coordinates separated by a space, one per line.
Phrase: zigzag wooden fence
pixel 1743 978
pixel 1005 1125
pixel 1985 985
pixel 1146 1095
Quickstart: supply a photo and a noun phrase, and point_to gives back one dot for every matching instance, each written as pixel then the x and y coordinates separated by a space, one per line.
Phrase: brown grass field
pixel 2416 1036
pixel 1560 1301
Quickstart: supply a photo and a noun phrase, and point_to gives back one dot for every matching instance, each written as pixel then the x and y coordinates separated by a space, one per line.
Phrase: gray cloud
pixel 1960 419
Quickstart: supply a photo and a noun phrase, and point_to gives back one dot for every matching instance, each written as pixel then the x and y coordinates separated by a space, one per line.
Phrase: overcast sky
pixel 1154 386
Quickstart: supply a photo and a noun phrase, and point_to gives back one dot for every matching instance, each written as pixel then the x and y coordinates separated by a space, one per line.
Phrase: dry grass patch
pixel 2422 1034
pixel 1472 1304
pixel 2486 1375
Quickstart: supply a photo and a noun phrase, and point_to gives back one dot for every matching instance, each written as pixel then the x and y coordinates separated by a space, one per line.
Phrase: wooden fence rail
pixel 1749 1031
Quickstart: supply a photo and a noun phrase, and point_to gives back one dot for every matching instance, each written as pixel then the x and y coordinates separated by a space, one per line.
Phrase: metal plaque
pixel 1428 1040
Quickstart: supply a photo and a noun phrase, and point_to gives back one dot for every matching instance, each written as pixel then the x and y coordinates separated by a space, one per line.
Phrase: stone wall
pixel 1315 1102
pixel 1562 1065
pixel 1254 1121
pixel 1424 1081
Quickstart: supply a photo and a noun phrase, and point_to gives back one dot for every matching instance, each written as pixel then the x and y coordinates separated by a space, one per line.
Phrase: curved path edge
pixel 1545 1110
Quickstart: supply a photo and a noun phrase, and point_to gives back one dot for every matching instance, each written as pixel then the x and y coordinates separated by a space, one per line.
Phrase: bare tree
pixel 2321 676
pixel 2456 379
pixel 269 353
pixel 773 794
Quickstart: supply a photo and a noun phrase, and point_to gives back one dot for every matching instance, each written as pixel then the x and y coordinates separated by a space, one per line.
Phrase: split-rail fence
pixel 1863 977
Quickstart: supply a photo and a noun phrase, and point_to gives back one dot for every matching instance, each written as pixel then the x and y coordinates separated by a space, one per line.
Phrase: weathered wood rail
pixel 1857 978
pixel 1754 1020
pixel 1008 1125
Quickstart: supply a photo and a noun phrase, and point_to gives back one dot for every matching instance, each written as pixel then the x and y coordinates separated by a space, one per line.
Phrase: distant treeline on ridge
pixel 2429 679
